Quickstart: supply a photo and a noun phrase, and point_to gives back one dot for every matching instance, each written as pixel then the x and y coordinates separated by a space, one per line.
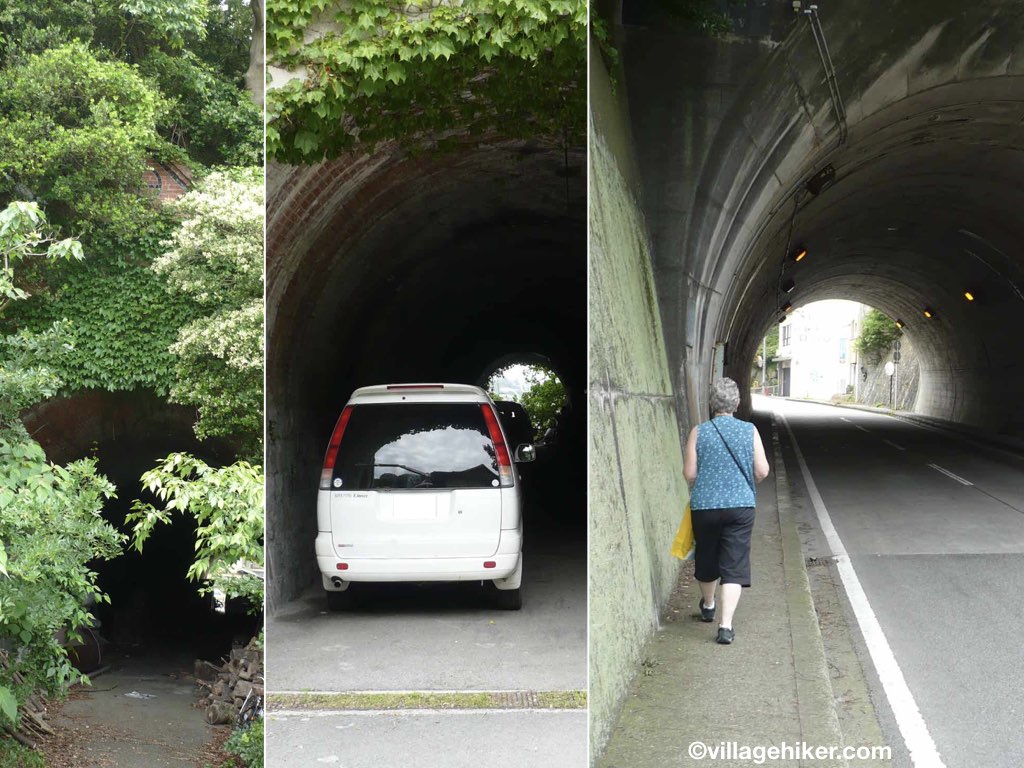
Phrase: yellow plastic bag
pixel 684 542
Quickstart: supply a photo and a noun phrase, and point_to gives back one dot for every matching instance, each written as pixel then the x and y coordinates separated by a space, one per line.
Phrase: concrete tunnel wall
pixel 392 267
pixel 637 491
pixel 698 165
pixel 923 205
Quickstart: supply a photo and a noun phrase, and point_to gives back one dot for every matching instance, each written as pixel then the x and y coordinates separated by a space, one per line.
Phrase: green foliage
pixel 247 744
pixel 544 398
pixel 700 15
pixel 206 109
pixel 380 70
pixel 13 755
pixel 121 320
pixel 877 334
pixel 32 26
pixel 22 240
pixel 51 527
pixel 227 505
pixel 75 132
pixel 173 20
pixel 208 116
pixel 216 260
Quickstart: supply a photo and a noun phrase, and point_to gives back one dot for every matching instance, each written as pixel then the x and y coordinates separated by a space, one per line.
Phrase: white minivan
pixel 418 484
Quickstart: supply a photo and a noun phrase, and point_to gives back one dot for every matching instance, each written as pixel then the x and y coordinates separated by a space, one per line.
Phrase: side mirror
pixel 525 453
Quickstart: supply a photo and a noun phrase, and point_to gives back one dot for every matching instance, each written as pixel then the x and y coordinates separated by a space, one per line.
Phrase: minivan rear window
pixel 407 446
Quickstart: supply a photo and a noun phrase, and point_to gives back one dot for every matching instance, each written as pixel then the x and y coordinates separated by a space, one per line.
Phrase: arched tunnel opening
pixel 920 222
pixel 154 611
pixel 395 268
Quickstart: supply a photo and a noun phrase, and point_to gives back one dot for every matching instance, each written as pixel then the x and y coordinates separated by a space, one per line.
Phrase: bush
pixel 247 744
pixel 13 755
pixel 877 334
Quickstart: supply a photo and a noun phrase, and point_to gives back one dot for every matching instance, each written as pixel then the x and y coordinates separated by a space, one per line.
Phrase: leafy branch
pixel 411 72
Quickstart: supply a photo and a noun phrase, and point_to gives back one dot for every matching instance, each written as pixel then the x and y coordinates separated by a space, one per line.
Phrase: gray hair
pixel 725 396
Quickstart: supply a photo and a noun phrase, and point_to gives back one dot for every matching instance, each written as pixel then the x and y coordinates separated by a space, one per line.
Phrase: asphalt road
pixel 941 564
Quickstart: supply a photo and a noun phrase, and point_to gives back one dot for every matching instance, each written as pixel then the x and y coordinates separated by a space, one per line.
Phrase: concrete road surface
pixel 467 739
pixel 443 636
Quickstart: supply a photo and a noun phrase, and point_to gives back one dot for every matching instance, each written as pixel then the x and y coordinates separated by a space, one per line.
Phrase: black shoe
pixel 707 614
pixel 724 636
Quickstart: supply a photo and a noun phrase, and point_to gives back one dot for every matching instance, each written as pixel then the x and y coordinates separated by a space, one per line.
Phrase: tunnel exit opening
pixel 839 351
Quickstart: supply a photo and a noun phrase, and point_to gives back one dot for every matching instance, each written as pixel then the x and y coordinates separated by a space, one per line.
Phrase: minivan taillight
pixel 504 462
pixel 332 448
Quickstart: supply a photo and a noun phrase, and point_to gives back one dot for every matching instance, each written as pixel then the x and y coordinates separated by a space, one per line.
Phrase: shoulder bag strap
pixel 729 449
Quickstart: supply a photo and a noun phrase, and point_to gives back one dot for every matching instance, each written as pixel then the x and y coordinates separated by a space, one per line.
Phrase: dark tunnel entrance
pixel 154 612
pixel 397 269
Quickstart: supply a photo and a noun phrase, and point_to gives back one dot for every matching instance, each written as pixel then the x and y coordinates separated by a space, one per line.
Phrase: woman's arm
pixel 760 460
pixel 690 457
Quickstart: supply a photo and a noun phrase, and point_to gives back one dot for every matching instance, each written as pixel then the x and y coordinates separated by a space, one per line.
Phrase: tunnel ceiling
pixel 925 203
pixel 924 206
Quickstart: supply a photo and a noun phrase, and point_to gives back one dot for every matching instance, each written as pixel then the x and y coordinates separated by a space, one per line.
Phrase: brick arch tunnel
pixel 895 161
pixel 394 267
pixel 154 610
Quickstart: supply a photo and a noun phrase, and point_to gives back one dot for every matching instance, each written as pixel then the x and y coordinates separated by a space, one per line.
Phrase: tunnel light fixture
pixel 928 313
pixel 969 295
pixel 787 307
pixel 782 319
pixel 789 286
pixel 799 253
pixel 900 324
pixel 821 180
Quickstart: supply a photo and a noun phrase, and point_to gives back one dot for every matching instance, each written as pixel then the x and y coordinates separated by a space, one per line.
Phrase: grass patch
pixel 429 700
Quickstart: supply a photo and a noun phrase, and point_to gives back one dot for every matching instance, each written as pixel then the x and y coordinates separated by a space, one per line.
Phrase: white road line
pixel 858 426
pixel 923 751
pixel 897 447
pixel 947 473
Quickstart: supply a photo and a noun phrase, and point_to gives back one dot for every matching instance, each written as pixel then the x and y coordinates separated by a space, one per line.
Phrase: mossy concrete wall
pixel 637 491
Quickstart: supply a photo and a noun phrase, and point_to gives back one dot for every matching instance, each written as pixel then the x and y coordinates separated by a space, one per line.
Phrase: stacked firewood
pixel 32 725
pixel 230 683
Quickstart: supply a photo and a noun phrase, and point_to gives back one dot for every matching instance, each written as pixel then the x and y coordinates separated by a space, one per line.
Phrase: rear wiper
pixel 400 466
pixel 425 475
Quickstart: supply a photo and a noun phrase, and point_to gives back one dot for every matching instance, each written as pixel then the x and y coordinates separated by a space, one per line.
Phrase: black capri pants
pixel 722 548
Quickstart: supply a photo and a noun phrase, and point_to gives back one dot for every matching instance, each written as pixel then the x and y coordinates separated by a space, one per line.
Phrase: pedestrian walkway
pixel 771 686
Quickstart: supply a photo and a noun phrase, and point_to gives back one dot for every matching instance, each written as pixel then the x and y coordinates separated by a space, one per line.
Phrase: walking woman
pixel 724 458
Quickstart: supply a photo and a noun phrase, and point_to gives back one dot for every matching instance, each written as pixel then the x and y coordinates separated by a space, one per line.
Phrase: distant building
pixel 817 358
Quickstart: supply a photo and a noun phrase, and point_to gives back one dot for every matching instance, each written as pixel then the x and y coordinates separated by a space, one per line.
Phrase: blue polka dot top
pixel 719 484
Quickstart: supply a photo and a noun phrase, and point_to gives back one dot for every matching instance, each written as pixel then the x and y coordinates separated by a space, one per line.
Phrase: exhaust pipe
pixel 336 582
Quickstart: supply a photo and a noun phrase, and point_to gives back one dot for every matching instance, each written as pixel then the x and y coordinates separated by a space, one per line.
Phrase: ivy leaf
pixel 441 48
pixel 8 704
pixel 306 142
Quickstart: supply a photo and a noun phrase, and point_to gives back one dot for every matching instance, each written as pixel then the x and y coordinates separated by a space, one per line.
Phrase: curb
pixel 819 721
